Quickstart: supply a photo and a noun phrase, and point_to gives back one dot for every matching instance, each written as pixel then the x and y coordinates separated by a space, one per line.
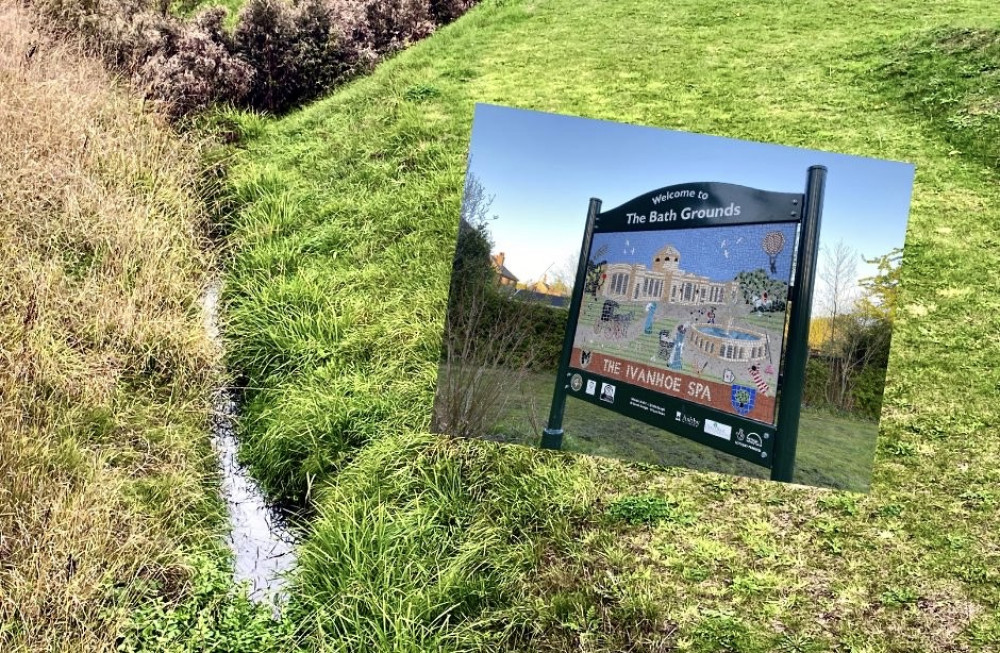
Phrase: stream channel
pixel 261 540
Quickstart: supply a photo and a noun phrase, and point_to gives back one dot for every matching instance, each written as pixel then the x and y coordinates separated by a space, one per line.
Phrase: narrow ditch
pixel 260 538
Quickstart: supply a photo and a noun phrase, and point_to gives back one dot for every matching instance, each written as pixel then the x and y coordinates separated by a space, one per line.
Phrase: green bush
pixel 546 327
pixel 868 387
pixel 817 378
pixel 473 277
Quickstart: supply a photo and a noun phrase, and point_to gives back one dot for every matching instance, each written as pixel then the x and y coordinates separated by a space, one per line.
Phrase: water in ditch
pixel 262 543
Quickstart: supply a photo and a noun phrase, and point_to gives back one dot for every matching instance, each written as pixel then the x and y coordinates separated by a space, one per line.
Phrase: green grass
pixel 951 75
pixel 336 297
pixel 190 8
pixel 833 451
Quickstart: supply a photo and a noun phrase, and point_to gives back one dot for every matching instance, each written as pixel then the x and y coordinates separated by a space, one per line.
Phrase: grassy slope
pixel 337 294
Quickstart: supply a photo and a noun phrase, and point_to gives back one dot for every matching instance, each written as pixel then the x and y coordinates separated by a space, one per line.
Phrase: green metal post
pixel 552 434
pixel 783 465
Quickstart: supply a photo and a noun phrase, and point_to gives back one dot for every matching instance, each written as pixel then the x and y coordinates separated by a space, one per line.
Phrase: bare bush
pixel 484 357
pixel 484 362
pixel 195 67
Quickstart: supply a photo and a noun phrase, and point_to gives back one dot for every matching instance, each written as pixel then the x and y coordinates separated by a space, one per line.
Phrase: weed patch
pixel 649 510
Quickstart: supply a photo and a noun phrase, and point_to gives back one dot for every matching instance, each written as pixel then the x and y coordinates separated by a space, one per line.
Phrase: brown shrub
pixel 381 27
pixel 280 54
pixel 445 11
pixel 193 66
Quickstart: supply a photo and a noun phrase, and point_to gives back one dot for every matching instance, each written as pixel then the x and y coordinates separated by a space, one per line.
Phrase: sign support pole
pixel 790 402
pixel 552 434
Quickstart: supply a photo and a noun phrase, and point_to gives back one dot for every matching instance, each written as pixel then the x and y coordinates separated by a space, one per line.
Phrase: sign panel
pixel 696 314
pixel 681 321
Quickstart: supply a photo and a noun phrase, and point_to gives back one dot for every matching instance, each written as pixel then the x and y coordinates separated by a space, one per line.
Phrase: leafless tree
pixel 858 334
pixel 483 357
pixel 564 274
pixel 476 202
pixel 838 276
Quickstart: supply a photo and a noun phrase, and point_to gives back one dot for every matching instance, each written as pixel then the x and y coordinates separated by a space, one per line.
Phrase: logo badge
pixel 742 399
pixel 728 376
pixel 585 358
pixel 687 419
pixel 591 387
pixel 718 429
pixel 576 382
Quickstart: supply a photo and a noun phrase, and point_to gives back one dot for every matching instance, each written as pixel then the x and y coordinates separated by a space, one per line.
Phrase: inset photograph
pixel 673 299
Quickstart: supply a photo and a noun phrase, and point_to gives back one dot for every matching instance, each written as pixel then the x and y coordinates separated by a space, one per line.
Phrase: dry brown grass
pixel 104 364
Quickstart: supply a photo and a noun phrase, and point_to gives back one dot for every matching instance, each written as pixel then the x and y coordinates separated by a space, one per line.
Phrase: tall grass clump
pixel 106 475
pixel 423 544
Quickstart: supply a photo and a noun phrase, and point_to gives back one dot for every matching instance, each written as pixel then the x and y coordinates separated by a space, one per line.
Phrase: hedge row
pixel 280 53
pixel 866 388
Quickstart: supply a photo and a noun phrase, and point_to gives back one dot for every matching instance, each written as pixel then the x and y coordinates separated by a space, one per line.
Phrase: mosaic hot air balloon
pixel 773 243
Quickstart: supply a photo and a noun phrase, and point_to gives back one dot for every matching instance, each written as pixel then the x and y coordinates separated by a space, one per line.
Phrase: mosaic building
pixel 663 282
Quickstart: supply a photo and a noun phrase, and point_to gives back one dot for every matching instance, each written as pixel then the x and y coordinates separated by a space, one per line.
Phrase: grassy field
pixel 833 451
pixel 337 290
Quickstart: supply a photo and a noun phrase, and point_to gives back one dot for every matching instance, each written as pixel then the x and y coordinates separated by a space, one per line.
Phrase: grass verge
pixel 336 303
pixel 833 451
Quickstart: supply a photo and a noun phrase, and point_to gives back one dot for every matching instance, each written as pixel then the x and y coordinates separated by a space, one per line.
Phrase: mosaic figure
pixel 666 345
pixel 675 360
pixel 650 314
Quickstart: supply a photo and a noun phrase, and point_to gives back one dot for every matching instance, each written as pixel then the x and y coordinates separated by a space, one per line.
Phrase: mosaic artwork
pixel 697 314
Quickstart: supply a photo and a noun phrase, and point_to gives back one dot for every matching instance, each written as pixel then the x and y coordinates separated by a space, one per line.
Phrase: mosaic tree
pixel 595 272
pixel 761 291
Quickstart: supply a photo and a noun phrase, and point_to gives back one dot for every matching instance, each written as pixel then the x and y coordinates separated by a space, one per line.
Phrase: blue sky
pixel 543 168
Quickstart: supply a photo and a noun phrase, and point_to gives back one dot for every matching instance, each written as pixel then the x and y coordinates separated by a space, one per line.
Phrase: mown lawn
pixel 833 451
pixel 336 296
